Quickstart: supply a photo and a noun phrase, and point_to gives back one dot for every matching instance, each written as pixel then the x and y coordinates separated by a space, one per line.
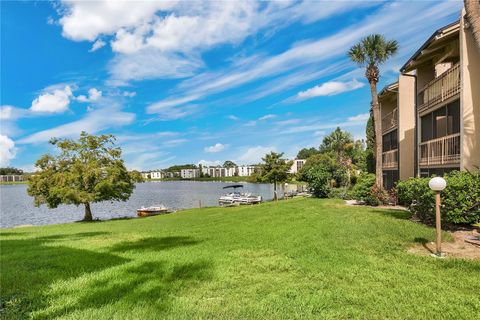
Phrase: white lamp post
pixel 437 184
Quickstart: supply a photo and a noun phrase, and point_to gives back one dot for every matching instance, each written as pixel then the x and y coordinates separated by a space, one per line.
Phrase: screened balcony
pixel 440 89
pixel 390 120
pixel 441 151
pixel 390 159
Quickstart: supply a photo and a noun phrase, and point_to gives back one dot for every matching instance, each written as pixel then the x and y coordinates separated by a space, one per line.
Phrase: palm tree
pixel 339 142
pixel 472 9
pixel 370 52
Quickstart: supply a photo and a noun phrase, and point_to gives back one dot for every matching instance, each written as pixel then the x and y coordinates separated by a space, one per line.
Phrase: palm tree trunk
pixel 88 213
pixel 378 135
pixel 472 9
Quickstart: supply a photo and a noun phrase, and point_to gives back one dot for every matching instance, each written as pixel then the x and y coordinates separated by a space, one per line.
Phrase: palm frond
pixel 357 54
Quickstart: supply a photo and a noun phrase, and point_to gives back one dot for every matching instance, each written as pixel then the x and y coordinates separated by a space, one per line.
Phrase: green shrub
pixel 339 193
pixel 362 191
pixel 318 178
pixel 460 199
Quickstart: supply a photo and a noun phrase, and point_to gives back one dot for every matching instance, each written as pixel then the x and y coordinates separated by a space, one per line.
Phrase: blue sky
pixel 190 82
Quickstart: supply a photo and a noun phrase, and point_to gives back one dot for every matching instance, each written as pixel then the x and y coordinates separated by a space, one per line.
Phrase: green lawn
pixel 295 259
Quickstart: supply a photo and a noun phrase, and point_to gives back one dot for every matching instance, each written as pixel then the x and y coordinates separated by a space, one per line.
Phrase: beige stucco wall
pixel 470 99
pixel 406 126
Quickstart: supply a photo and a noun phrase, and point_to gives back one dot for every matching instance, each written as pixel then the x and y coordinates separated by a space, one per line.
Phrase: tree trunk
pixel 472 9
pixel 275 191
pixel 88 213
pixel 377 120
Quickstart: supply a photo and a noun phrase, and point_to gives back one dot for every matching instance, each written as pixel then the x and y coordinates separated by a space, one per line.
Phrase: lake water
pixel 17 208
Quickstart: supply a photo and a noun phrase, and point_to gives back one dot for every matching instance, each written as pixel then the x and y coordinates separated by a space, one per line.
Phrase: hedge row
pixel 460 199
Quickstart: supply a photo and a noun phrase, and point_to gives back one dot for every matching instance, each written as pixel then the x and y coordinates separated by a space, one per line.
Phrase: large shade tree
pixel 83 171
pixel 370 53
pixel 229 164
pixel 275 170
pixel 472 10
pixel 306 153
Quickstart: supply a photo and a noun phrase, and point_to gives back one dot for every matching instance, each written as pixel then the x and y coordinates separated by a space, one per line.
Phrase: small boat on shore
pixel 237 198
pixel 153 211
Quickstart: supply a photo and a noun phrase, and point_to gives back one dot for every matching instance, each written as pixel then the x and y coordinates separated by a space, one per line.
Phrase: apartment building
pixel 245 171
pixel 296 165
pixel 447 73
pixel 431 115
pixel 189 173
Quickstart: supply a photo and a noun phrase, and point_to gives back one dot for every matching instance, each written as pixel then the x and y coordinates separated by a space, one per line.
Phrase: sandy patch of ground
pixel 459 248
pixel 361 203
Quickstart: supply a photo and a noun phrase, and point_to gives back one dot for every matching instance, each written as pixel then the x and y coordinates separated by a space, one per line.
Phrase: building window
pixel 390 177
pixel 390 141
pixel 442 122
pixel 439 172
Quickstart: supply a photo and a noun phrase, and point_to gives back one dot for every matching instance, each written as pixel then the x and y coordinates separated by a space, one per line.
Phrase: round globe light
pixel 437 184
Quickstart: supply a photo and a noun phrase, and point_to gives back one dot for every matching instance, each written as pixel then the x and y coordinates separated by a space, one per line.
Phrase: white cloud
pixel 360 117
pixel 87 20
pixel 215 148
pixel 320 133
pixel 93 95
pixel 310 54
pixel 254 154
pixel 97 45
pixel 210 163
pixel 234 118
pixel 12 113
pixel 55 100
pixel 167 112
pixel 178 31
pixel 151 64
pixel 355 121
pixel 129 94
pixel 287 122
pixel 106 116
pixel 7 150
pixel 330 88
pixel 267 117
pixel 174 142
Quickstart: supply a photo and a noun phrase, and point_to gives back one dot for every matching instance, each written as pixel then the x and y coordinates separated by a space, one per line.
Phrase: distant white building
pixel 153 174
pixel 245 171
pixel 230 172
pixel 189 173
pixel 157 175
pixel 11 178
pixel 216 172
pixel 297 165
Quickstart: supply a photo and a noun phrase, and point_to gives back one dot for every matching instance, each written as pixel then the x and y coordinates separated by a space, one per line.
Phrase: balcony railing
pixel 440 89
pixel 440 151
pixel 390 120
pixel 390 159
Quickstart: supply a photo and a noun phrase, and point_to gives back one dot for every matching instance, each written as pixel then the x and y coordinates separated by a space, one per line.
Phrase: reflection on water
pixel 17 207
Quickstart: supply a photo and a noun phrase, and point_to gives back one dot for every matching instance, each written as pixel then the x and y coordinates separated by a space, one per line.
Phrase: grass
pixel 295 259
pixel 13 182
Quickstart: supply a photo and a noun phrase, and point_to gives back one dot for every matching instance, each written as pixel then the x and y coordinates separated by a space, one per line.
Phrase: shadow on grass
pixel 30 266
pixel 155 284
pixel 72 236
pixel 423 242
pixel 154 244
pixel 397 214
